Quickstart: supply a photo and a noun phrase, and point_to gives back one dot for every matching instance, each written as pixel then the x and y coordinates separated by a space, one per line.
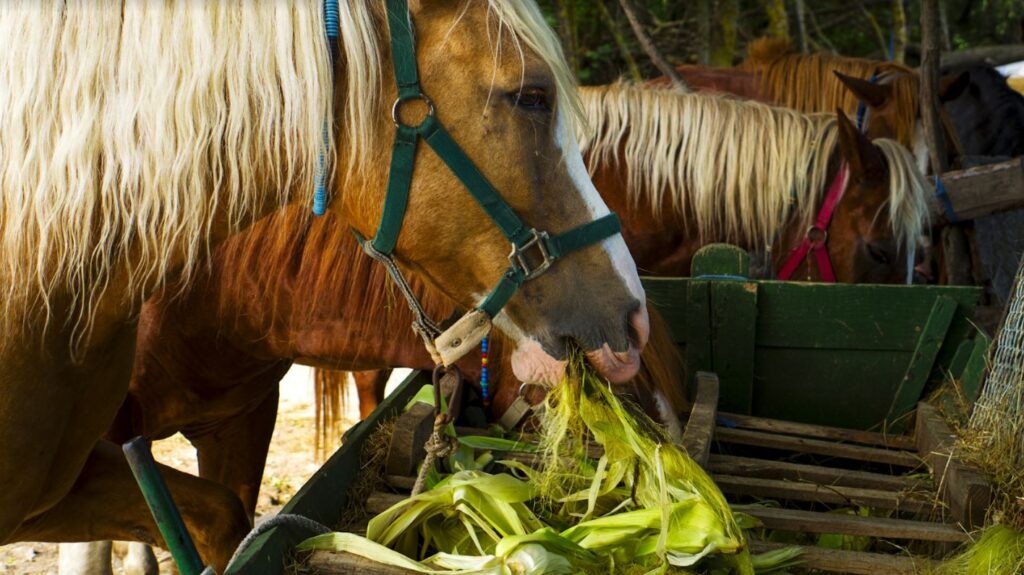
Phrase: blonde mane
pixel 734 170
pixel 127 128
pixel 807 83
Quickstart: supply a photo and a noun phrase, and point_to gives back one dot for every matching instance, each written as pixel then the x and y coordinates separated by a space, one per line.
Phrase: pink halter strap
pixel 816 239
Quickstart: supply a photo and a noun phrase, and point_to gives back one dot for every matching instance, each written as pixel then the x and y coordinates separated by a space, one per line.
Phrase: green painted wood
pixel 698 328
pixel 852 389
pixel 734 325
pixel 977 365
pixel 668 296
pixel 323 497
pixel 720 259
pixel 960 359
pixel 922 362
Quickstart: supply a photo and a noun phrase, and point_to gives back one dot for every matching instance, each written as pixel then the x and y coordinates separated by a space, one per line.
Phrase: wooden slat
pixel 841 524
pixel 854 562
pixel 974 372
pixel 826 494
pixel 720 259
pixel 891 441
pixel 922 362
pixel 964 489
pixel 333 563
pixel 816 446
pixel 770 469
pixel 701 425
pixel 379 501
pixel 983 190
pixel 698 326
pixel 734 328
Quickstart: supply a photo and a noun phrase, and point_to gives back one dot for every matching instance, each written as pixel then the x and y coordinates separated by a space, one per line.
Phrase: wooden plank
pixel 378 502
pixel 964 489
pixel 891 441
pixel 324 496
pixel 974 372
pixel 982 190
pixel 842 524
pixel 701 425
pixel 817 447
pixel 733 330
pixel 921 363
pixel 854 562
pixel 826 494
pixel 698 335
pixel 771 469
pixel 333 563
pixel 720 260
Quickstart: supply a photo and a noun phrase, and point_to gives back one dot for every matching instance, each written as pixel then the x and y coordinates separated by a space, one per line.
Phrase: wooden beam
pixel 922 361
pixel 378 502
pixel 841 524
pixel 701 425
pixel 981 191
pixel 771 469
pixel 854 562
pixel 820 431
pixel 827 494
pixel 964 489
pixel 817 447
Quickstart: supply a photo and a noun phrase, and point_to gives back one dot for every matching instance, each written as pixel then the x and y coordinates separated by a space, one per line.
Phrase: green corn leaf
pixel 496 444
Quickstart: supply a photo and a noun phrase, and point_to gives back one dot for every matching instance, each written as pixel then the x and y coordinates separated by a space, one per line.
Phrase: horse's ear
pixel 952 86
pixel 873 94
pixel 864 158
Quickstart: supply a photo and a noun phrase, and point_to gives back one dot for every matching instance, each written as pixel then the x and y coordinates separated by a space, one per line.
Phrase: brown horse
pixel 685 170
pixel 774 73
pixel 137 135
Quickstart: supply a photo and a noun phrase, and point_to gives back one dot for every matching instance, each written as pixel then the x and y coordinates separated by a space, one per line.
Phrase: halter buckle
pixel 519 260
pixel 397 107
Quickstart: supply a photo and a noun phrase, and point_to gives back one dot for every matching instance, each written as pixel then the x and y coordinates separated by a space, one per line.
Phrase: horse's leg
pixel 235 454
pixel 92 558
pixel 106 503
pixel 370 387
pixel 140 560
pixel 51 414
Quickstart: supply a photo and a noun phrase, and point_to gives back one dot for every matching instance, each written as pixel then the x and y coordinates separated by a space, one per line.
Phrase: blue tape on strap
pixel 332 24
pixel 862 108
pixel 940 193
pixel 332 18
pixel 726 277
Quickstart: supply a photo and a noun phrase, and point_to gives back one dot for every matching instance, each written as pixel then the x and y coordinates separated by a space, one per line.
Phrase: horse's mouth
pixel 531 364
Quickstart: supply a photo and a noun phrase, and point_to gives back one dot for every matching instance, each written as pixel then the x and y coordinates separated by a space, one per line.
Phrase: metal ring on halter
pixel 397 106
pixel 523 386
pixel 817 235
pixel 455 402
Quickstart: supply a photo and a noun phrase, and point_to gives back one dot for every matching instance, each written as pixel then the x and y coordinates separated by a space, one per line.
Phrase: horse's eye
pixel 532 100
pixel 878 254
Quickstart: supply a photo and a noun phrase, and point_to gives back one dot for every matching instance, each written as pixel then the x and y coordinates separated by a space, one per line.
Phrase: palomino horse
pixel 133 135
pixel 774 74
pixel 689 169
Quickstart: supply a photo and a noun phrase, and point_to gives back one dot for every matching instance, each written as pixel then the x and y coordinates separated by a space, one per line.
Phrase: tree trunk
pixel 703 47
pixel 899 32
pixel 801 22
pixel 729 12
pixel 947 44
pixel 648 44
pixel 620 40
pixel 566 17
pixel 778 20
pixel 931 64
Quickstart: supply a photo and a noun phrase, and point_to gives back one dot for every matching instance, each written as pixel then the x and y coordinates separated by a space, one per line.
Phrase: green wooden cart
pixel 806 367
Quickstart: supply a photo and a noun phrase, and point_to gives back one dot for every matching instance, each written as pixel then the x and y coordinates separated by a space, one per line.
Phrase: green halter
pixel 533 251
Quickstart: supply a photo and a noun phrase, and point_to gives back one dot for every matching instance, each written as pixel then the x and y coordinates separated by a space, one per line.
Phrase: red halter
pixel 816 239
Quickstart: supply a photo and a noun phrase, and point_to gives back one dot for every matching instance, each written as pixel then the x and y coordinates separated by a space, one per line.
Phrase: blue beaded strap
pixel 483 372
pixel 332 23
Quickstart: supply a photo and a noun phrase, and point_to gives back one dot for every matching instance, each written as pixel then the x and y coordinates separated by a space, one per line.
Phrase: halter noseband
pixel 532 251
pixel 816 239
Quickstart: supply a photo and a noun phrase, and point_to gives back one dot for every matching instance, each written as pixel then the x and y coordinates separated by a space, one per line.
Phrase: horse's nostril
pixel 639 326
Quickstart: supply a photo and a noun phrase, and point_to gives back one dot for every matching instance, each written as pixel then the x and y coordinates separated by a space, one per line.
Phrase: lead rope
pixel 440 444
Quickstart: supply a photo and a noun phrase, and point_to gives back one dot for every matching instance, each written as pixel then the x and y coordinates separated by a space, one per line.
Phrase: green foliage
pixel 832 25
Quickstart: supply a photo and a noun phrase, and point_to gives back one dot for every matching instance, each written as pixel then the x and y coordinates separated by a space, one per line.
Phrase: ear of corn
pixel 644 507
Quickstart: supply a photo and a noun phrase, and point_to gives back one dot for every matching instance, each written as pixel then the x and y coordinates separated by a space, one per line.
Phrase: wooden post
pixel 648 45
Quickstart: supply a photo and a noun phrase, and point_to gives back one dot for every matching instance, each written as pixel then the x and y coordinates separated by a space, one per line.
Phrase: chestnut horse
pixel 774 73
pixel 135 135
pixel 689 169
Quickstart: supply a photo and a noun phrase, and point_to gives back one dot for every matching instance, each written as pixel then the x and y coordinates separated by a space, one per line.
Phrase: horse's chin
pixel 531 364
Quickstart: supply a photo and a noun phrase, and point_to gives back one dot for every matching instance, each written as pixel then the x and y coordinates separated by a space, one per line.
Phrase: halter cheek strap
pixel 816 238
pixel 532 251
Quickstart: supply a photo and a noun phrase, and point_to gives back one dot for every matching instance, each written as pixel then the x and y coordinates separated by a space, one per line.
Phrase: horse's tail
pixel 329 390
pixel 661 372
pixel 765 49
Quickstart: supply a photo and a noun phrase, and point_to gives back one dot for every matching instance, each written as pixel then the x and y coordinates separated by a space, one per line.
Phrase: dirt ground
pixel 290 464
